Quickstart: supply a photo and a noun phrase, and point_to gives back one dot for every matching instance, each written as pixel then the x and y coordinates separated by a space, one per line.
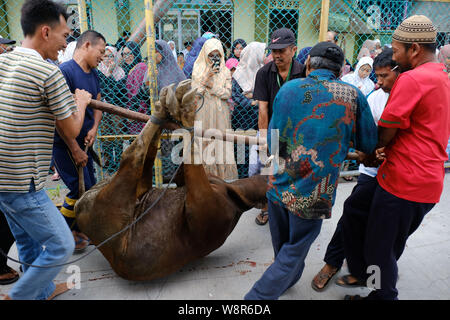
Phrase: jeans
pixel 42 238
pixel 292 237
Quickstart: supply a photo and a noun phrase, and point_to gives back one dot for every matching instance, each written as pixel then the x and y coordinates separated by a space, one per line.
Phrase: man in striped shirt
pixel 34 97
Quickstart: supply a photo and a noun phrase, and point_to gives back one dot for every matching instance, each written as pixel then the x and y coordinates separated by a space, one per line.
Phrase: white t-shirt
pixel 377 101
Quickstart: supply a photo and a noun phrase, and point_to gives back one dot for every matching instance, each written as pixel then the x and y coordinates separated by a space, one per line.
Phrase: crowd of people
pixel 321 104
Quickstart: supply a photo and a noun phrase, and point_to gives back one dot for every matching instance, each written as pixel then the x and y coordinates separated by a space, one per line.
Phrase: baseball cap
pixel 328 50
pixel 281 38
pixel 6 41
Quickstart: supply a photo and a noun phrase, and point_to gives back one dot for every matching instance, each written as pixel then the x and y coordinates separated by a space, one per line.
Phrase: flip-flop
pixel 264 215
pixel 8 270
pixel 324 275
pixel 79 240
pixel 344 282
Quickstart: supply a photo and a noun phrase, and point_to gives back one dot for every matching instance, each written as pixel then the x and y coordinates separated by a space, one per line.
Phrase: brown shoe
pixel 322 279
pixel 8 275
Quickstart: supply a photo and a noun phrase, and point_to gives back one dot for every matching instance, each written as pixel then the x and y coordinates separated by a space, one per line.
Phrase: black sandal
pixel 5 271
pixel 344 282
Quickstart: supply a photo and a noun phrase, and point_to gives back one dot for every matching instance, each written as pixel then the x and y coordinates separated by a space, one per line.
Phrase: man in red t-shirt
pixel 413 133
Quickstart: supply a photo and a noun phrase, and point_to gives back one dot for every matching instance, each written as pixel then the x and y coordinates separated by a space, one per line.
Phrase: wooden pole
pixel 324 12
pixel 159 9
pixel 133 115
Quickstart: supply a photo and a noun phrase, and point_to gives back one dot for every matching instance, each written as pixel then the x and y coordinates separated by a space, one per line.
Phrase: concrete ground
pixel 229 272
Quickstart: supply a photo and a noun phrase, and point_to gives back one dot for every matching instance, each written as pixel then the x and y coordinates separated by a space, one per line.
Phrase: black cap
pixel 328 50
pixel 282 38
pixel 6 41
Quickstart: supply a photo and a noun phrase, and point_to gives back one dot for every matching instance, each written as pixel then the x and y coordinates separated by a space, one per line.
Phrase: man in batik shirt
pixel 317 117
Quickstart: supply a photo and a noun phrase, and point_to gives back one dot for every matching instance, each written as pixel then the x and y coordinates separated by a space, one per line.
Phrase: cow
pixel 186 223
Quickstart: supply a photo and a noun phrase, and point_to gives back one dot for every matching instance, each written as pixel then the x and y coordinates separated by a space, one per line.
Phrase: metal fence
pixel 184 21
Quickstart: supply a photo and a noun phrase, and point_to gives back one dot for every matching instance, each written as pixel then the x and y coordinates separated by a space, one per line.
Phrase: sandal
pixel 8 276
pixel 344 281
pixel 323 276
pixel 262 218
pixel 80 243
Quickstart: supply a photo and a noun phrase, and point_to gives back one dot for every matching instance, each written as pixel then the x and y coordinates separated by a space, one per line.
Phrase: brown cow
pixel 188 222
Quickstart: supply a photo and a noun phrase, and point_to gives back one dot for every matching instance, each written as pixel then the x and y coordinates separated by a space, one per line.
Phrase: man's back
pixel 317 117
pixel 419 106
pixel 32 94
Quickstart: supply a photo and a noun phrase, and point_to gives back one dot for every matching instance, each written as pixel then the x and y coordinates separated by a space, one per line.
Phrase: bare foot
pixel 60 289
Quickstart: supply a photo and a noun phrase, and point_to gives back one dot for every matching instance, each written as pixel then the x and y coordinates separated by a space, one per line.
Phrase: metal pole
pixel 150 35
pixel 82 15
pixel 324 12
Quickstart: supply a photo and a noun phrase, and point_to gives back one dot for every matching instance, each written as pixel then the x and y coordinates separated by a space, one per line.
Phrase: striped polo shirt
pixel 33 93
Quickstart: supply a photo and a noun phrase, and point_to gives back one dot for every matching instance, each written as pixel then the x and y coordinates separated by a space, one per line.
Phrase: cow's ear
pixel 248 193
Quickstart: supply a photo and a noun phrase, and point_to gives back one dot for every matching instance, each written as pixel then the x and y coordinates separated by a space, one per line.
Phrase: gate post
pixel 324 20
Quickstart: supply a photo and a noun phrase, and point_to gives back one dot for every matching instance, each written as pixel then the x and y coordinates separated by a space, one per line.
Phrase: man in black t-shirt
pixel 271 77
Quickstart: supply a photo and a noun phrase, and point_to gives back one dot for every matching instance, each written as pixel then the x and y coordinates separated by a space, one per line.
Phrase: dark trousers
pixel 68 172
pixel 335 255
pixel 375 233
pixel 292 237
pixel 6 241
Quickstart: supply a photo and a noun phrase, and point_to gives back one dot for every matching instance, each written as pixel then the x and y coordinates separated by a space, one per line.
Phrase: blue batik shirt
pixel 317 117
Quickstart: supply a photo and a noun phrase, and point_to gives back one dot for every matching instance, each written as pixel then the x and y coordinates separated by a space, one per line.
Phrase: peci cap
pixel 6 41
pixel 282 38
pixel 416 28
pixel 328 50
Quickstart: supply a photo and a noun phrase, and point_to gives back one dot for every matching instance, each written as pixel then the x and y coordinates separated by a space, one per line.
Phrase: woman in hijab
pixel 173 48
pixel 166 64
pixel 213 80
pixel 192 56
pixel 303 55
pixel 245 112
pixel 109 67
pixel 131 55
pixel 444 57
pixel 236 48
pixel 360 78
pixel 168 72
pixel 368 49
pixel 136 71
pixel 112 80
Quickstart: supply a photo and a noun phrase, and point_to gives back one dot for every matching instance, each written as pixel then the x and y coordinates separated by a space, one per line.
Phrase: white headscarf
pixel 67 54
pixel 174 51
pixel 251 60
pixel 365 85
pixel 203 64
pixel 117 72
